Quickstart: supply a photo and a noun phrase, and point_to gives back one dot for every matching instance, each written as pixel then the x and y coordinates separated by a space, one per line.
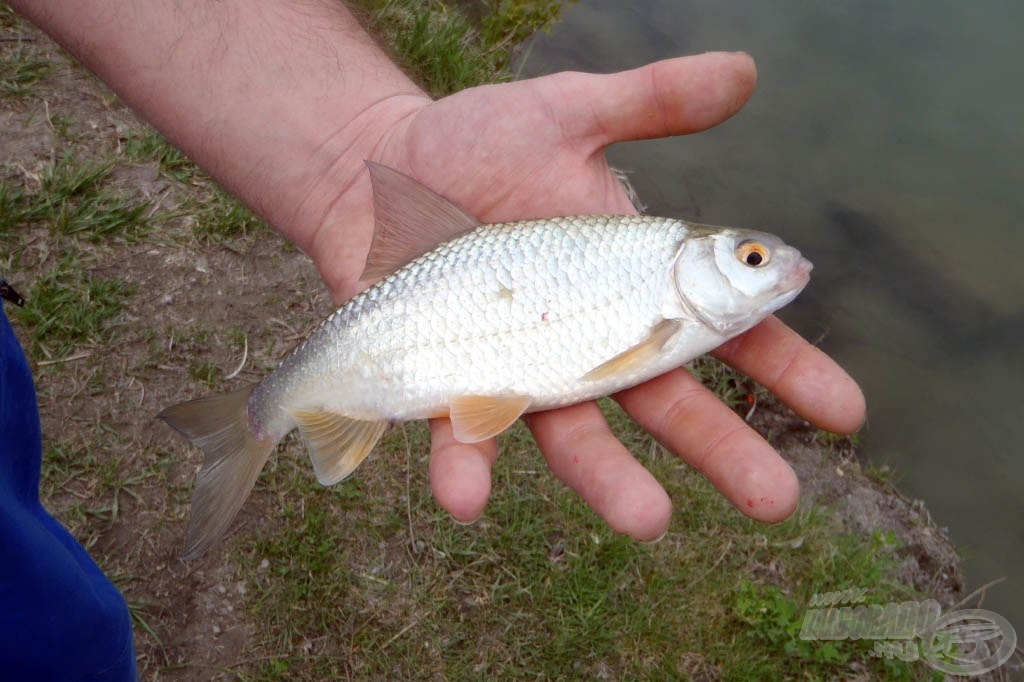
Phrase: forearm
pixel 279 101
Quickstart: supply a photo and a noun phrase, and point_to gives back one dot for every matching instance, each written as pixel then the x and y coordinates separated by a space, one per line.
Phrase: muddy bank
pixel 832 477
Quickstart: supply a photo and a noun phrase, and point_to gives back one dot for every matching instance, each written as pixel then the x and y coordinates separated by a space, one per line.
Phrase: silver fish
pixel 499 320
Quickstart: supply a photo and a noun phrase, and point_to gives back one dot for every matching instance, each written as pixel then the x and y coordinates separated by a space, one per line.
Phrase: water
pixel 885 141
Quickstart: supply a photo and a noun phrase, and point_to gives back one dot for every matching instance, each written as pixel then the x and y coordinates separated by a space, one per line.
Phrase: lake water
pixel 886 141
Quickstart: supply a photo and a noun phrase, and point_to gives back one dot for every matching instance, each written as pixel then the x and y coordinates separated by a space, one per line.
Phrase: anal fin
pixel 637 356
pixel 476 418
pixel 336 444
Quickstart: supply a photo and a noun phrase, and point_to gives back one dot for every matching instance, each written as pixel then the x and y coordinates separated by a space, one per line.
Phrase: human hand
pixel 535 149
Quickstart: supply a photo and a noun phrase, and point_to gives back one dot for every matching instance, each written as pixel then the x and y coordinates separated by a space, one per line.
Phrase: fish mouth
pixel 792 284
pixel 799 275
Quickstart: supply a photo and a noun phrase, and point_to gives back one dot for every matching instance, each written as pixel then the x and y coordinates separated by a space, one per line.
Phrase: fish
pixel 482 323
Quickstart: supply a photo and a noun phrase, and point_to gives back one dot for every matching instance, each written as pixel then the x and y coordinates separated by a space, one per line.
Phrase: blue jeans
pixel 60 618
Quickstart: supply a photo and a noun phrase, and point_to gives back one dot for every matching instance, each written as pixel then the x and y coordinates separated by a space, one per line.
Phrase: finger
pixel 692 422
pixel 802 376
pixel 670 97
pixel 582 452
pixel 460 473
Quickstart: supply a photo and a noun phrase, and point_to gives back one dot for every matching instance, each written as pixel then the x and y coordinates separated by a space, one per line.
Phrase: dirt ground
pixel 253 297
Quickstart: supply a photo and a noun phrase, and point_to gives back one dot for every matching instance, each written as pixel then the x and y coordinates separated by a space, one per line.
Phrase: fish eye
pixel 753 253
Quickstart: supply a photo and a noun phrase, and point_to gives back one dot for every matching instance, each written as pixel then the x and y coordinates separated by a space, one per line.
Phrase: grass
pixel 146 145
pixel 8 19
pixel 221 220
pixel 540 588
pixel 733 388
pixel 73 196
pixel 216 217
pixel 69 306
pixel 445 51
pixel 435 45
pixel 93 485
pixel 13 208
pixel 508 23
pixel 206 372
pixel 21 69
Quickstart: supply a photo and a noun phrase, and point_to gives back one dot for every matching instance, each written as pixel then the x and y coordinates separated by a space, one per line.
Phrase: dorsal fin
pixel 410 219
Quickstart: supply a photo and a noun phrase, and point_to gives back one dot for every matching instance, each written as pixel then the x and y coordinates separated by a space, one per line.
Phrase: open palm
pixel 536 149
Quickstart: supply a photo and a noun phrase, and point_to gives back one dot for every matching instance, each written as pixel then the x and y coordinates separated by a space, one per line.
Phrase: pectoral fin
pixel 337 444
pixel 476 418
pixel 638 355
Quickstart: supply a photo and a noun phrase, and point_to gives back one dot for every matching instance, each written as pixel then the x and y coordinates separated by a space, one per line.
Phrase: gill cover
pixel 731 279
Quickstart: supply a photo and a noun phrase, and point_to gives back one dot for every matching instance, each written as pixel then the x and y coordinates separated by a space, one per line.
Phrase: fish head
pixel 731 279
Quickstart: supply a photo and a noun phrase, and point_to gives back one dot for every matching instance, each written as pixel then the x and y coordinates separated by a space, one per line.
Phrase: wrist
pixel 332 222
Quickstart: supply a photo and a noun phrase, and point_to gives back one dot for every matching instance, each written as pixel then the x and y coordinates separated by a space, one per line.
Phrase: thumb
pixel 671 97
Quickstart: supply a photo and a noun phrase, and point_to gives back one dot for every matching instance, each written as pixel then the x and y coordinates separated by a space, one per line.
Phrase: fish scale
pixel 578 291
pixel 496 321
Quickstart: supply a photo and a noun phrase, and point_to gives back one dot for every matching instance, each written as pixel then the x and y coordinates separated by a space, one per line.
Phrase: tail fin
pixel 219 425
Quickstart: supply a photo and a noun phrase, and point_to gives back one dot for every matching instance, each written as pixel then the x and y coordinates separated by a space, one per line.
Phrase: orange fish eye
pixel 753 253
